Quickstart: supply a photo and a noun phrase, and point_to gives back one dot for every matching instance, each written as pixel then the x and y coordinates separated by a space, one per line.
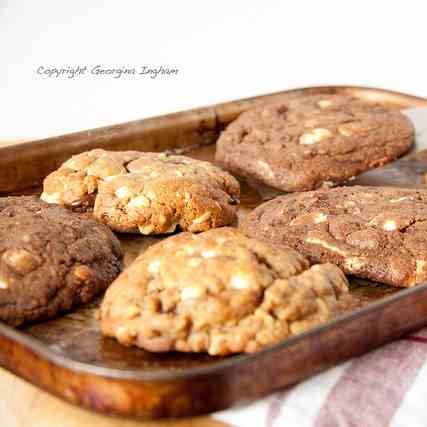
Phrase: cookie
pixel 314 141
pixel 51 259
pixel 149 193
pixel 219 292
pixel 377 233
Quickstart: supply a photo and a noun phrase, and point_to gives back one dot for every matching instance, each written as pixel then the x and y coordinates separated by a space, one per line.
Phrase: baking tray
pixel 70 359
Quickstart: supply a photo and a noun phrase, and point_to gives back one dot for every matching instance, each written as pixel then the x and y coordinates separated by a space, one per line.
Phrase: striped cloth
pixel 382 388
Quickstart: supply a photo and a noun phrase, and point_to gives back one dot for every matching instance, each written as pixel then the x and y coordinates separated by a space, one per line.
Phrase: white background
pixel 224 50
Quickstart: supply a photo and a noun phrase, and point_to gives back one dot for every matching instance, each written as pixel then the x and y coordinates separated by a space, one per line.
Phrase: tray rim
pixel 94 131
pixel 165 374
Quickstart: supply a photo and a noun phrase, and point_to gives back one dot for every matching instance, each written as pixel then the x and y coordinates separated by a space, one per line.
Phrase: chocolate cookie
pixel 150 193
pixel 51 259
pixel 313 141
pixel 219 292
pixel 377 233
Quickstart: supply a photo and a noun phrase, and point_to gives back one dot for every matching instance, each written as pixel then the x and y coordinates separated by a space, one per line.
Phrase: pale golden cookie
pixel 219 292
pixel 150 193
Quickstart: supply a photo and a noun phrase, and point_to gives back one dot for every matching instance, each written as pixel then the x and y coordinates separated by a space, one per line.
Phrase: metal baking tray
pixel 69 358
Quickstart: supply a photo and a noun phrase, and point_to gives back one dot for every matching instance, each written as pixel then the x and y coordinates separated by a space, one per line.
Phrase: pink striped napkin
pixel 382 388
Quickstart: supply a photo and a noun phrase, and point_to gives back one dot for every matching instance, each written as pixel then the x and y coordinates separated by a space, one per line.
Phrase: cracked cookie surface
pixel 51 259
pixel 149 193
pixel 313 141
pixel 377 233
pixel 219 292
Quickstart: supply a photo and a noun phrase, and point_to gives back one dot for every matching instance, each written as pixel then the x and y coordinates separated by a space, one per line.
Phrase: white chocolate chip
pixel 315 135
pixel 355 263
pixel 123 193
pixel 266 168
pixel 320 217
pixel 146 229
pixel 400 199
pixel 202 218
pixel 390 225
pixel 139 202
pixel 154 266
pixel 349 204
pixel 3 284
pixel 194 262
pixel 238 282
pixel 190 251
pixel 317 241
pixel 209 254
pixel 191 292
pixel 324 103
pixel 310 218
pixel 51 197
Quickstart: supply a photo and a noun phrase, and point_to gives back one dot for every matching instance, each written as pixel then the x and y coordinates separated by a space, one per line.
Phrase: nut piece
pixel 202 218
pixel 132 311
pixel 83 273
pixel 315 135
pixel 21 260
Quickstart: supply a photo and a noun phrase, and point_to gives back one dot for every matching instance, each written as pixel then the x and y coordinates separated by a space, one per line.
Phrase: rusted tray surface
pixel 68 357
